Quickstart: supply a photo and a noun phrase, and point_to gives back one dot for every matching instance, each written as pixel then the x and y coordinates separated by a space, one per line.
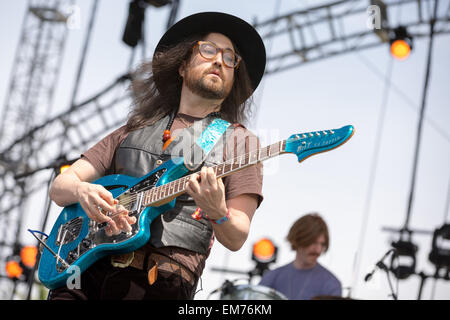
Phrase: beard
pixel 206 87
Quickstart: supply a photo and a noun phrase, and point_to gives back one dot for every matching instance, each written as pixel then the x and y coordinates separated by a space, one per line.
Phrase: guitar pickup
pixel 69 231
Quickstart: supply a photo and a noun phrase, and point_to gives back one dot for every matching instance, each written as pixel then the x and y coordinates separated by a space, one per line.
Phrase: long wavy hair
pixel 152 102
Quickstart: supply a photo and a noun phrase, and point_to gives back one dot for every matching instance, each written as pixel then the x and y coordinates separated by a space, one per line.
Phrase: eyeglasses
pixel 209 51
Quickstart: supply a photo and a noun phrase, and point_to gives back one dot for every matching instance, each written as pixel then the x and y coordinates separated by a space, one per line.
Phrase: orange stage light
pixel 64 168
pixel 13 269
pixel 400 49
pixel 264 250
pixel 401 43
pixel 28 256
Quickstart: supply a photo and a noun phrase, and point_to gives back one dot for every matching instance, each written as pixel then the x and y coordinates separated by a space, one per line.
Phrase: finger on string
pixel 108 231
pixel 94 213
pixel 211 176
pixel 124 225
pixel 106 207
pixel 113 227
pixel 197 176
pixel 124 214
pixel 131 220
pixel 220 183
pixel 203 175
pixel 193 184
pixel 106 195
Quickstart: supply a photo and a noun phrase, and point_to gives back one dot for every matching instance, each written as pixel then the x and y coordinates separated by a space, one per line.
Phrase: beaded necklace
pixel 167 137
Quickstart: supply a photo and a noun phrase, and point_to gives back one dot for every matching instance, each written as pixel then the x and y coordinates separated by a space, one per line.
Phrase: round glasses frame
pixel 201 44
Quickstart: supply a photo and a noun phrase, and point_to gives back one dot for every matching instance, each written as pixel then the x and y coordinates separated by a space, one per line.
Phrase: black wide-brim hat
pixel 242 34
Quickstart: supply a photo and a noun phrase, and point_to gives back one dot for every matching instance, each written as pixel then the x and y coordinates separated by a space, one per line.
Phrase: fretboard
pixel 178 187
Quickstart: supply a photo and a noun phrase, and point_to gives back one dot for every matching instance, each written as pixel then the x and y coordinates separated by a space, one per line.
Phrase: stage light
pixel 135 20
pixel 64 168
pixel 440 253
pixel 20 264
pixel 401 43
pixel 13 269
pixel 63 164
pixel 400 49
pixel 264 251
pixel 133 28
pixel 405 251
pixel 28 256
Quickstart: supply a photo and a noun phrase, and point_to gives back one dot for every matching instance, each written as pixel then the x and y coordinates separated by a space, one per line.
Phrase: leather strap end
pixel 152 274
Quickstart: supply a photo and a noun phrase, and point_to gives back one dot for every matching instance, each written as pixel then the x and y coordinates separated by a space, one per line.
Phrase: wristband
pixel 221 220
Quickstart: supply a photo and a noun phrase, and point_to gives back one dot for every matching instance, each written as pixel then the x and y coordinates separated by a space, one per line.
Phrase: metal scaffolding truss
pixel 344 26
pixel 81 126
pixel 35 69
pixel 295 39
pixel 86 123
pixel 29 98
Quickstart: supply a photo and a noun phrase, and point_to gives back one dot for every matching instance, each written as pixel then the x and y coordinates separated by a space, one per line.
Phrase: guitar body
pixel 81 242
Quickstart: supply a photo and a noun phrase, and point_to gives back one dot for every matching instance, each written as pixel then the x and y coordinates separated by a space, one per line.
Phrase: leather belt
pixel 137 259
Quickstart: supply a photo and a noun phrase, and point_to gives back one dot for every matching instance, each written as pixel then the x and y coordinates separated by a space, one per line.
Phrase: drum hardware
pixel 229 290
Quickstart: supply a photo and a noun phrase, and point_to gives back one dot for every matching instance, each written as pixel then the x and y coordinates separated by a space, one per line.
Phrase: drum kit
pixel 230 290
pixel 264 253
pixel 252 292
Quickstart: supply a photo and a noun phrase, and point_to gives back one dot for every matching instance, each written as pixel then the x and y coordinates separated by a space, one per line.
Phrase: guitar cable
pixel 63 262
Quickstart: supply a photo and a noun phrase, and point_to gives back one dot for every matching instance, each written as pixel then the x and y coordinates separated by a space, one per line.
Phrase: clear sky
pixel 346 89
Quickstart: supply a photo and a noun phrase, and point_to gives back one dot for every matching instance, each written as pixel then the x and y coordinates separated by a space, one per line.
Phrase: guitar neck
pixel 177 187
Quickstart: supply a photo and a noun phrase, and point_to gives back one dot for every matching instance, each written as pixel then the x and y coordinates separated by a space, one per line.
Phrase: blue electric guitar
pixel 77 241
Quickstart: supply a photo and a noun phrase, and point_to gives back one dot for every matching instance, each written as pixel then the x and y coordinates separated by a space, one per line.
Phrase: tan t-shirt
pixel 245 181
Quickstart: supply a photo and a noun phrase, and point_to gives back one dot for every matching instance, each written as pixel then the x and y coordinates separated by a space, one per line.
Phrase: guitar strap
pixel 196 155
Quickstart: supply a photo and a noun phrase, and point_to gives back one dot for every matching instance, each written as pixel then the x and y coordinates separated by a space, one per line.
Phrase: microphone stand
pixel 382 266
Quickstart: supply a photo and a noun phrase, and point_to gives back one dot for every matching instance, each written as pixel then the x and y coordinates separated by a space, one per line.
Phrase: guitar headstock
pixel 307 144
